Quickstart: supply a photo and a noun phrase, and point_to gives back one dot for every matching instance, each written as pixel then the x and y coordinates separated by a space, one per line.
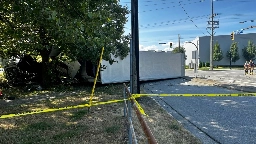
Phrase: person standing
pixel 251 65
pixel 246 67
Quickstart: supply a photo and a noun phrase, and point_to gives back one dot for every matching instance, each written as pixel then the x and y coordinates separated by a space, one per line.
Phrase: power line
pixel 241 30
pixel 190 18
pixel 170 6
pixel 247 21
pixel 178 21
pixel 167 7
pixel 163 1
pixel 172 39
pixel 172 22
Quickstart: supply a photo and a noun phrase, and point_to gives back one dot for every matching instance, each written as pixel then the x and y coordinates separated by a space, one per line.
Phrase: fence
pixel 128 115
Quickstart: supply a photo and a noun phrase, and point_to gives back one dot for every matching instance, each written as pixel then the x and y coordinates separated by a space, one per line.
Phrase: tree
pixel 233 53
pixel 179 50
pixel 217 53
pixel 249 52
pixel 79 29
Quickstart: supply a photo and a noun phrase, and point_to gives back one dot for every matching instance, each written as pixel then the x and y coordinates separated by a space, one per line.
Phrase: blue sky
pixel 163 20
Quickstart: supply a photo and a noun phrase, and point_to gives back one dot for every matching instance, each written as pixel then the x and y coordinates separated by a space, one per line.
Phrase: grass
pixel 112 129
pixel 63 135
pixel 79 114
pixel 220 68
pixel 99 125
pixel 42 126
pixel 102 124
pixel 20 92
pixel 164 127
pixel 174 126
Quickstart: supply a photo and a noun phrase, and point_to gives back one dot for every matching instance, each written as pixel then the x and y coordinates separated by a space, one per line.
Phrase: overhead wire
pixel 173 22
pixel 190 17
pixel 181 4
pixel 167 7
pixel 247 21
pixel 241 30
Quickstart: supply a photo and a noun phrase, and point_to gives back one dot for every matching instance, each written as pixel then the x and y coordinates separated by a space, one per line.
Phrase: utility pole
pixel 197 56
pixel 214 24
pixel 179 41
pixel 135 81
pixel 211 45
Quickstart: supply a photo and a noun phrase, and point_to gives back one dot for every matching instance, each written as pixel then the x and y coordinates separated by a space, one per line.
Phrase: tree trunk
pixel 45 76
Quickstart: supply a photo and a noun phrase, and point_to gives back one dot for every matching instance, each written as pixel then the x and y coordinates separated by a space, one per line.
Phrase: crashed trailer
pixel 153 66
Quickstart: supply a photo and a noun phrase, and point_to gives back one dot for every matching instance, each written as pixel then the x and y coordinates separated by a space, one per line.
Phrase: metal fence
pixel 128 105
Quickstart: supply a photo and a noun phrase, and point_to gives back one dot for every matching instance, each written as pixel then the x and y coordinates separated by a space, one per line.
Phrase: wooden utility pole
pixel 135 81
pixel 214 24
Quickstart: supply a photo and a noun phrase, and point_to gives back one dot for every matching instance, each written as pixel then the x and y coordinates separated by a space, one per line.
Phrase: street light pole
pixel 196 55
pixel 179 41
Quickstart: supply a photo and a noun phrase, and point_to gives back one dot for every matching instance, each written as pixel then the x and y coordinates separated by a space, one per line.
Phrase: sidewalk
pixel 231 79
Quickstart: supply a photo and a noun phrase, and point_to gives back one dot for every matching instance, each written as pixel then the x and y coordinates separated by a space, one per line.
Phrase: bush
pixel 3 81
pixel 201 64
pixel 207 64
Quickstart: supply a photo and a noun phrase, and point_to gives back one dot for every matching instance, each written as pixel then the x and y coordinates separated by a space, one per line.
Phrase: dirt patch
pixel 204 81
pixel 164 127
pixel 100 124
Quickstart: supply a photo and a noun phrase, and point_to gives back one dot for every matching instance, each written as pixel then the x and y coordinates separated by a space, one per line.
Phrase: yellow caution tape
pixel 140 108
pixel 193 95
pixel 134 96
pixel 96 77
pixel 59 109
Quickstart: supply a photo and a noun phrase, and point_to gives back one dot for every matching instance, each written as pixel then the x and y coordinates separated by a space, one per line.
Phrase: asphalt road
pixel 227 120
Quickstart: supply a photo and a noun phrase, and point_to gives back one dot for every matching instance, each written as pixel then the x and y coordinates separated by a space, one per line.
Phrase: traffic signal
pixel 170 45
pixel 232 36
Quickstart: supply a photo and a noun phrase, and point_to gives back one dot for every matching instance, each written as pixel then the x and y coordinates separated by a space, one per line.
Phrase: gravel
pixel 211 119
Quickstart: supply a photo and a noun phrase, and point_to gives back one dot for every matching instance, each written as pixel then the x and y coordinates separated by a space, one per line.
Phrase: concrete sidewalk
pixel 231 79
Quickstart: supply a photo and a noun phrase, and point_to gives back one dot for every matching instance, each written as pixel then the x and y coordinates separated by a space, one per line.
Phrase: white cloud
pixel 164 47
pixel 146 48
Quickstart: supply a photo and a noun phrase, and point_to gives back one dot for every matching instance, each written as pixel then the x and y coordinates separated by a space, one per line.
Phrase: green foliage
pixel 217 53
pixel 174 126
pixel 249 52
pixel 78 29
pixel 200 64
pixel 207 64
pixel 233 53
pixel 179 50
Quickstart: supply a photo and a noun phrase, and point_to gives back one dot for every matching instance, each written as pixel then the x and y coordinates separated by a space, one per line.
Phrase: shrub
pixel 207 64
pixel 201 64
